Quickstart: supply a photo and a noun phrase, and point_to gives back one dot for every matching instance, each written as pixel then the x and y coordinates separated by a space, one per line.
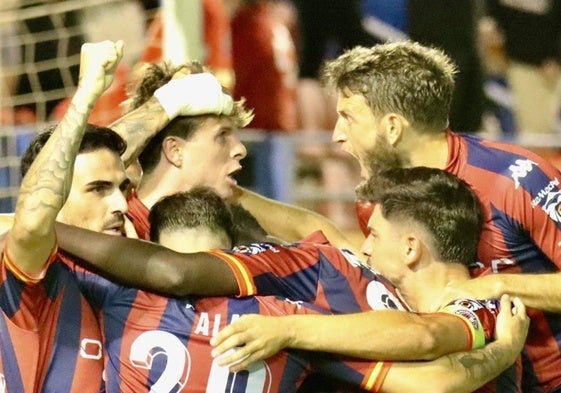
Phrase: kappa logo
pixel 552 206
pixel 520 170
pixel 2 383
pixel 297 303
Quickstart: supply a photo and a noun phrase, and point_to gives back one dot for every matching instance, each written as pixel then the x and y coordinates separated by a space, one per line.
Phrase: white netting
pixel 40 51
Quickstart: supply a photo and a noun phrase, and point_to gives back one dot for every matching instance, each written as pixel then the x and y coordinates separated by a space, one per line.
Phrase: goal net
pixel 40 44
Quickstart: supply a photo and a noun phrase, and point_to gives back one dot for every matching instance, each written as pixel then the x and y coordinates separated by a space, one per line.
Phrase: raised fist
pixel 98 62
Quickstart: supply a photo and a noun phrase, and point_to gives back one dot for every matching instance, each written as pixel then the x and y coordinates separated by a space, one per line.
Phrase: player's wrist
pixel 288 330
pixel 84 98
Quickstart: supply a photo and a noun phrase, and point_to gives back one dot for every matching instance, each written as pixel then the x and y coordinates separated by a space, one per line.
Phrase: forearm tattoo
pixel 48 181
pixel 484 364
pixel 138 126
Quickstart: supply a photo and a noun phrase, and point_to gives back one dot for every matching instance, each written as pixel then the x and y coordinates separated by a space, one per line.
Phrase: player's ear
pixel 393 126
pixel 412 250
pixel 171 149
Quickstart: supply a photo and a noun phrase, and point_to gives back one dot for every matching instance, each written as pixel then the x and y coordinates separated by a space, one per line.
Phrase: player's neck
pixel 154 187
pixel 430 150
pixel 426 286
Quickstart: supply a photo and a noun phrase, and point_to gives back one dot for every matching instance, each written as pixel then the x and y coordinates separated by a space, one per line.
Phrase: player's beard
pixel 383 156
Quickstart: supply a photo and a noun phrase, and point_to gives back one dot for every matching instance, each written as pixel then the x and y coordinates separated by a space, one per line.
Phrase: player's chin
pixel 226 189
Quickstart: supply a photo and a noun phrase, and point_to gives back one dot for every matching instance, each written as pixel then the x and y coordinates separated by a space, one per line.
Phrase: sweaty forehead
pixel 220 121
pixel 215 124
pixel 99 165
pixel 351 102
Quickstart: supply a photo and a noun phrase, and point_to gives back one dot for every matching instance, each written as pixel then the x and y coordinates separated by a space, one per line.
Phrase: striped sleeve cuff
pixel 243 276
pixel 375 379
pixel 23 276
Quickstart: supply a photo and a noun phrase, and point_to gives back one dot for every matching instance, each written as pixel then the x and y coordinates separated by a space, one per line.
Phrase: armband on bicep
pixel 479 318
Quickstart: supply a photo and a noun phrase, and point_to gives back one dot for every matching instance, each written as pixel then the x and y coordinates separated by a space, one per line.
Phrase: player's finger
pixel 119 45
pixel 228 343
pixel 243 364
pixel 223 335
pixel 518 307
pixel 506 303
pixel 234 357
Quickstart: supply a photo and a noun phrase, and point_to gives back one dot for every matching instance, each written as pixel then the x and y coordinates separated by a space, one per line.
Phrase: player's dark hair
pixel 199 207
pixel 247 229
pixel 95 138
pixel 438 201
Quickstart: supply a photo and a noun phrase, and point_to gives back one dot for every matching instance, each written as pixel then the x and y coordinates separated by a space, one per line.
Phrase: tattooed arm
pixel 466 371
pixel 138 126
pixel 47 183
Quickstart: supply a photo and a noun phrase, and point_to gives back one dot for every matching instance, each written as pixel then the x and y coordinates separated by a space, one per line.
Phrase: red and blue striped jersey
pixel 155 343
pixel 138 214
pixel 312 271
pixel 50 340
pixel 521 201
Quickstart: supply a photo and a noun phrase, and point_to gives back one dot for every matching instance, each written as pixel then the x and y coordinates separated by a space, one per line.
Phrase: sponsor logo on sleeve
pixel 544 192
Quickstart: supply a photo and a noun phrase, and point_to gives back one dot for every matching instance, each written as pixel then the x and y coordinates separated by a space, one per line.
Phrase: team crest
pixel 552 206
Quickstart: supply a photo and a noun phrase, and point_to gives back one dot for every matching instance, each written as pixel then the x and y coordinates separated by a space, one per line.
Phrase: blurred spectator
pixel 386 20
pixel 452 26
pixel 97 24
pixel 265 63
pixel 326 28
pixel 389 14
pixel 266 72
pixel 531 32
pixel 216 36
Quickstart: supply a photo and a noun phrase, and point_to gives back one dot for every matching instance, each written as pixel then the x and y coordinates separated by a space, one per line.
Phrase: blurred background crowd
pixel 270 52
